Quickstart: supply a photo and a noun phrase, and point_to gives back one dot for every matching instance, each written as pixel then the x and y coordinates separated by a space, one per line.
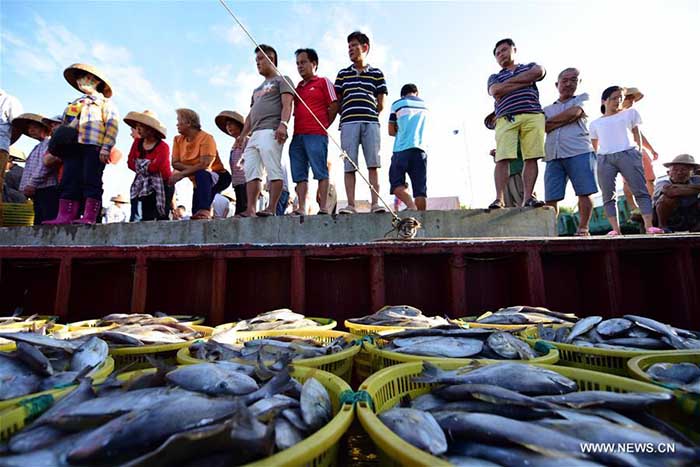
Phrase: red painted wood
pixel 298 282
pixel 535 277
pixel 458 287
pixel 63 287
pixel 218 291
pixel 138 292
pixel 376 280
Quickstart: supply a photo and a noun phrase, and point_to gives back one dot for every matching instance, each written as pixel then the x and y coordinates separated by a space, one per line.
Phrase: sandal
pixel 265 214
pixel 297 213
pixel 321 212
pixel 498 204
pixel 377 209
pixel 348 210
pixel 533 203
pixel 582 233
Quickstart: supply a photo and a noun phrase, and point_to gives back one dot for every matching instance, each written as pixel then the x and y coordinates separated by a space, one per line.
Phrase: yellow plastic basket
pixel 319 450
pixel 613 362
pixel 10 346
pixel 381 359
pixel 324 324
pixel 339 364
pixel 387 387
pixel 135 357
pixel 16 214
pixel 21 409
pixel 687 404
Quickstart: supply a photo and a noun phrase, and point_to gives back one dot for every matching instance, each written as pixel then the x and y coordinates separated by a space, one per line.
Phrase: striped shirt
pixel 409 114
pixel 35 173
pixel 520 101
pixel 357 92
pixel 98 122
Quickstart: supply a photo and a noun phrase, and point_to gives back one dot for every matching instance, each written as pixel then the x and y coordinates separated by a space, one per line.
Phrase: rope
pixel 35 406
pixel 343 155
pixel 350 397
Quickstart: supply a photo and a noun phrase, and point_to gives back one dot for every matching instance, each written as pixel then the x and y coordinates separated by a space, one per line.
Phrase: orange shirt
pixel 189 152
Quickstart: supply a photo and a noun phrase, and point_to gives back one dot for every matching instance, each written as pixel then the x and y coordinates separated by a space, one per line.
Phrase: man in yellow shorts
pixel 519 118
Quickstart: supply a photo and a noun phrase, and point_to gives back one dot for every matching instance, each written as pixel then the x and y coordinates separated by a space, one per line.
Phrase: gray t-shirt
pixel 568 140
pixel 266 103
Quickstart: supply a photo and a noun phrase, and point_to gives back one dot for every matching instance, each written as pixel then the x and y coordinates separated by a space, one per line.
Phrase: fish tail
pixel 430 373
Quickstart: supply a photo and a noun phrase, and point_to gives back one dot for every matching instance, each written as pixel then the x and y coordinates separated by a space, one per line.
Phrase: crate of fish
pixel 519 318
pixel 42 364
pixel 456 344
pixel 516 414
pixel 678 371
pixel 120 319
pixel 35 327
pixel 277 320
pixel 331 351
pixel 207 414
pixel 606 345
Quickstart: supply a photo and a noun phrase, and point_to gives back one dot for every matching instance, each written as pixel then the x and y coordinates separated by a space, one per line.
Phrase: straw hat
pixel 220 119
pixel 119 199
pixel 146 118
pixel 684 159
pixel 21 123
pixel 17 154
pixel 75 70
pixel 55 119
pixel 229 193
pixel 635 93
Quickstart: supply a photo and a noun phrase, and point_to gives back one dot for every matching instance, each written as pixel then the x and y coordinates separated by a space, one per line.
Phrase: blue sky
pixel 161 55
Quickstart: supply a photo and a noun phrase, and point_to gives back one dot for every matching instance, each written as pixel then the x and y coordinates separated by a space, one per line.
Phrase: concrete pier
pixel 358 228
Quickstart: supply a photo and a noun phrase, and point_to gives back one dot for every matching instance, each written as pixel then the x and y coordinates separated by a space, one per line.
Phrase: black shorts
pixel 413 162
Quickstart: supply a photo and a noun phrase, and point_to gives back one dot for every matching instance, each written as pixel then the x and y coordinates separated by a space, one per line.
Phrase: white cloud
pixel 104 52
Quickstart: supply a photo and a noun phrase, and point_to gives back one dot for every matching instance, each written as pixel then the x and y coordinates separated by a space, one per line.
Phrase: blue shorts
pixel 413 162
pixel 305 151
pixel 579 169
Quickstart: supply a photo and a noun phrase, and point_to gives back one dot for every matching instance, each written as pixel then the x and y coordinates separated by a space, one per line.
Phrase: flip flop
pixel 322 213
pixel 265 214
pixel 297 213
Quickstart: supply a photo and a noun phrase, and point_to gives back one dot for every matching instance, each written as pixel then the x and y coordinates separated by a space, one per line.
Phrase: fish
pixel 614 327
pixel 39 340
pixel 517 412
pixel 510 347
pixel 612 400
pixel 526 379
pixel 448 347
pixel 492 394
pixel 286 434
pixel 516 457
pixel 16 378
pixel 250 438
pixel 91 354
pixel 417 428
pixel 212 379
pixel 638 343
pixel 660 328
pixel 515 315
pixel 315 404
pixel 32 357
pixel 582 327
pixel 400 316
pixel 278 402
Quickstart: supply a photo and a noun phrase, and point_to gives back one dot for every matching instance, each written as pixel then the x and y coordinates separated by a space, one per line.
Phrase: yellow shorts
pixel 528 128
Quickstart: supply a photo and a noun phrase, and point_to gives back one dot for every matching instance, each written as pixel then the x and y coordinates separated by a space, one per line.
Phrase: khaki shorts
pixel 262 153
pixel 528 128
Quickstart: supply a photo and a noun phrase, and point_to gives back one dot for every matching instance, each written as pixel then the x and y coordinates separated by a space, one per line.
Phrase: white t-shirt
pixel 614 133
pixel 221 206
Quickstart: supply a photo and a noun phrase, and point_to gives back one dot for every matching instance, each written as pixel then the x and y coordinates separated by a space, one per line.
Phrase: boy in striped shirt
pixel 361 89
pixel 519 118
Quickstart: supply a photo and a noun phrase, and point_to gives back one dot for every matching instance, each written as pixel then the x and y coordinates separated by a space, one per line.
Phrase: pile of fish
pixel 400 316
pixel 282 319
pixel 284 348
pixel 23 324
pixel 514 414
pixel 685 376
pixel 630 332
pixel 137 330
pixel 456 342
pixel 41 363
pixel 525 315
pixel 208 414
pixel 135 318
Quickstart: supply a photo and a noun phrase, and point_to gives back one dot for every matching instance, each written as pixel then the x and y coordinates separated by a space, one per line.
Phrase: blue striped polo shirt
pixel 521 101
pixel 409 114
pixel 357 92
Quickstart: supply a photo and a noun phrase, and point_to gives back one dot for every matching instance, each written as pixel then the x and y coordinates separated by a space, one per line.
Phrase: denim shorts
pixel 305 151
pixel 352 135
pixel 413 162
pixel 579 169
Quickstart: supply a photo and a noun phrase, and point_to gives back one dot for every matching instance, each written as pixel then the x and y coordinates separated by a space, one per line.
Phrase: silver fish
pixel 417 428
pixel 612 400
pixel 614 327
pixel 510 347
pixel 677 373
pixel 286 434
pixel 89 355
pixel 209 378
pixel 582 327
pixel 316 408
pixel 16 378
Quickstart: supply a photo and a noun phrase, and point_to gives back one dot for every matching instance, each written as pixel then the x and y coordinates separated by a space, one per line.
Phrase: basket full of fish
pixel 32 324
pixel 678 371
pixel 606 345
pixel 518 318
pixel 455 344
pixel 331 351
pixel 509 414
pixel 42 364
pixel 208 414
pixel 134 338
pixel 117 319
pixel 276 320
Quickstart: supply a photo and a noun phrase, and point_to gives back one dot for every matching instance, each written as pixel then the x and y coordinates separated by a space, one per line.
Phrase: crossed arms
pixel 522 80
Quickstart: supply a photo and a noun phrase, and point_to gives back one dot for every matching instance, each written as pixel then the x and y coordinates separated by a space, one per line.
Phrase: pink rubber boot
pixel 67 212
pixel 92 210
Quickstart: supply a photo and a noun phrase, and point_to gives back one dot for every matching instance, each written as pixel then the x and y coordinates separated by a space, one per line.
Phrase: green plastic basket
pixel 389 386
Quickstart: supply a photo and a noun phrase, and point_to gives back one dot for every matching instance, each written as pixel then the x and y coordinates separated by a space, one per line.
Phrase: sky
pixel 163 54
